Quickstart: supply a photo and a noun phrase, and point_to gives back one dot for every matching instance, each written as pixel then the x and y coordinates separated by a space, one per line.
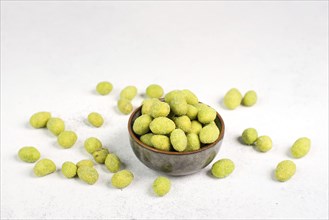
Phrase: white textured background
pixel 54 53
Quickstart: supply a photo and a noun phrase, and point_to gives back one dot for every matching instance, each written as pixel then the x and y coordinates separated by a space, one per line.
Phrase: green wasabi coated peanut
pixel 183 122
pixel 55 125
pixel 92 144
pixel 190 97
pixel 174 94
pixel 39 119
pixel 209 134
pixel 128 92
pixel 206 115
pixel 161 142
pixel 147 105
pixel 178 140
pixel 192 112
pixel 112 163
pixel 154 91
pixel 122 179
pixel 232 99
pixel 250 98
pixel 178 106
pixel 193 142
pixel 301 147
pixel 29 154
pixel 285 170
pixel 160 109
pixel 104 88
pixel 263 143
pixel 85 163
pixel 146 139
pixel 196 127
pixel 222 168
pixel 162 125
pixel 67 139
pixel 100 155
pixel 95 119
pixel 125 106
pixel 141 124
pixel 69 169
pixel 44 167
pixel 161 186
pixel 200 106
pixel 249 136
pixel 88 175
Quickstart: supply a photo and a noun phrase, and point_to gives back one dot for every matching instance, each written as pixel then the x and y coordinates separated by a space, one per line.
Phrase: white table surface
pixel 54 53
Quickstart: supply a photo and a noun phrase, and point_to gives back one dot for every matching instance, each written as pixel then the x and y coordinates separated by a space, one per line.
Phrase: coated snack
pixel 141 124
pixel 67 139
pixel 122 179
pixel 222 168
pixel 88 174
pixel 209 134
pixel 192 112
pixel 104 87
pixel 154 91
pixel 55 125
pixel 206 115
pixel 85 163
pixel 178 140
pixel 69 169
pixel 178 106
pixel 249 136
pixel 285 170
pixel 250 98
pixel 162 125
pixel 263 143
pixel 146 139
pixel 128 92
pixel 301 147
pixel 95 119
pixel 147 104
pixel 190 97
pixel 161 142
pixel 174 94
pixel 183 122
pixel 92 144
pixel 161 186
pixel 112 163
pixel 44 167
pixel 232 99
pixel 195 127
pixel 29 154
pixel 125 106
pixel 100 155
pixel 159 109
pixel 40 119
pixel 193 142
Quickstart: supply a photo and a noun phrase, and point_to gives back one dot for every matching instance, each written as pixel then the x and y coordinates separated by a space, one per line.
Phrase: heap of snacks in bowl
pixel 178 134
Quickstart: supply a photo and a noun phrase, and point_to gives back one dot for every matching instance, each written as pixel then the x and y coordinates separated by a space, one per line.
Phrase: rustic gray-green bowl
pixel 174 163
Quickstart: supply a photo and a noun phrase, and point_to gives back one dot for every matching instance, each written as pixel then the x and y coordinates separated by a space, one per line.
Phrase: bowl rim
pixel 206 147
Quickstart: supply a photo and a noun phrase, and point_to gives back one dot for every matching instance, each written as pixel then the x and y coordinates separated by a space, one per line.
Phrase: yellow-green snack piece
pixel 100 155
pixel 250 98
pixel 146 139
pixel 162 125
pixel 209 134
pixel 249 136
pixel 40 119
pixel 222 168
pixel 92 144
pixel 232 99
pixel 128 92
pixel 285 170
pixel 125 106
pixel 67 139
pixel 122 179
pixel 193 142
pixel 174 94
pixel 55 125
pixel 178 106
pixel 112 163
pixel 154 91
pixel 206 115
pixel 161 186
pixel 88 174
pixel 183 122
pixel 195 127
pixel 200 106
pixel 263 143
pixel 141 124
pixel 178 140
pixel 104 87
pixel 160 142
pixel 44 167
pixel 159 109
pixel 192 112
pixel 301 147
pixel 147 105
pixel 29 154
pixel 95 119
pixel 69 169
pixel 85 163
pixel 190 97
